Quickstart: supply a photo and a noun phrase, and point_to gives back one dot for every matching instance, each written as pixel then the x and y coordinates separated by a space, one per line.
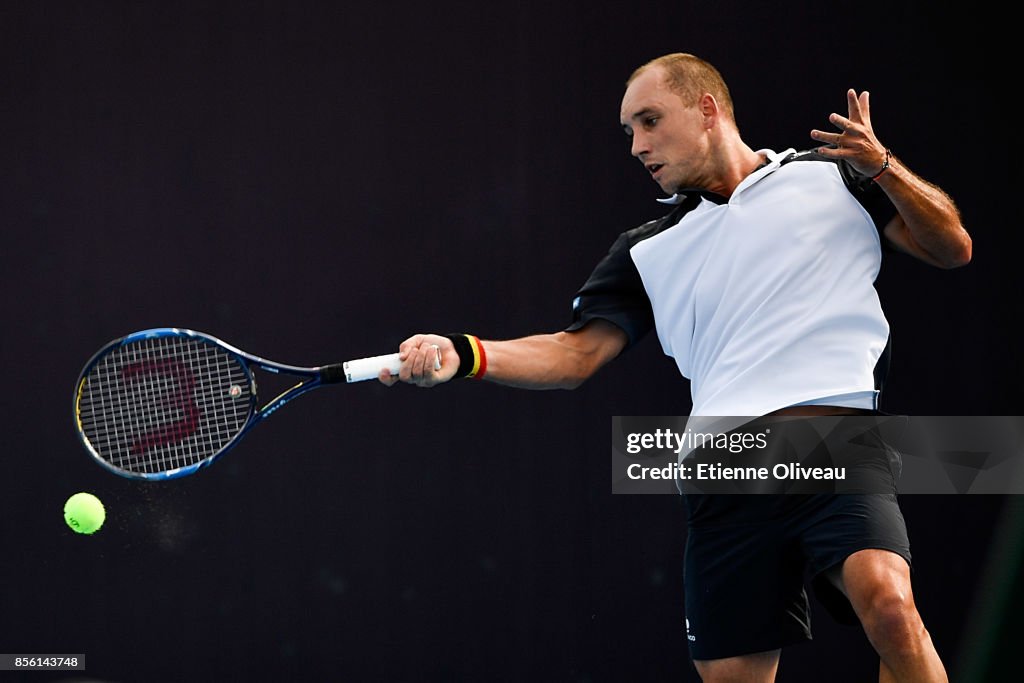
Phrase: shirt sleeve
pixel 874 200
pixel 615 292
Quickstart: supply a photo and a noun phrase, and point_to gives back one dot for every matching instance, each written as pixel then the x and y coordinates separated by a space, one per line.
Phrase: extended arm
pixel 562 360
pixel 927 224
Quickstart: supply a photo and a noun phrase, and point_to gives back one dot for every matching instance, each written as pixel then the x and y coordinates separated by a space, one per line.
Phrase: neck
pixel 735 162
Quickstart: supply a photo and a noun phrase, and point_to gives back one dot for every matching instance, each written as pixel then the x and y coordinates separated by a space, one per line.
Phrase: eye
pixel 650 121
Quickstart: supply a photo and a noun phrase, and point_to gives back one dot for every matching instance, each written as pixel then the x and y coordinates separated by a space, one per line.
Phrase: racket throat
pixel 333 373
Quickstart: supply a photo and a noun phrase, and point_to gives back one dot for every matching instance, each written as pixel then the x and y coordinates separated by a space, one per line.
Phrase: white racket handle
pixel 362 369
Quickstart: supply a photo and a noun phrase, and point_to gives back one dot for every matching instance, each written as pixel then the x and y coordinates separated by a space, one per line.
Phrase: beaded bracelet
pixel 885 166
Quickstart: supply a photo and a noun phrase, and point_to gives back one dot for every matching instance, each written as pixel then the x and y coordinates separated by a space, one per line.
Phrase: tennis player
pixel 760 283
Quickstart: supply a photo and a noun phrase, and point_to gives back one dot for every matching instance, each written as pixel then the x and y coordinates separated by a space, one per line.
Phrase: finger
pixel 825 136
pixel 429 359
pixel 840 122
pixel 412 364
pixel 386 378
pixel 418 363
pixel 853 104
pixel 409 344
pixel 865 108
pixel 405 372
pixel 835 152
pixel 424 365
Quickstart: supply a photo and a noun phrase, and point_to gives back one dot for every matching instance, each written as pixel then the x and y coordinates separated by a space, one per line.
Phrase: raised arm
pixel 927 224
pixel 562 360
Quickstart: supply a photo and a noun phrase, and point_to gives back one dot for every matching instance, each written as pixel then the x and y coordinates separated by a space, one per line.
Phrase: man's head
pixel 678 112
pixel 691 77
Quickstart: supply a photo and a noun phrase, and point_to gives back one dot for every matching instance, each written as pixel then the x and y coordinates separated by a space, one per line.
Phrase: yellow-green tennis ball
pixel 84 513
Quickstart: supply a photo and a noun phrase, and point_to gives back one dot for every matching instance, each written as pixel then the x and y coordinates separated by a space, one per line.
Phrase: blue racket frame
pixel 314 378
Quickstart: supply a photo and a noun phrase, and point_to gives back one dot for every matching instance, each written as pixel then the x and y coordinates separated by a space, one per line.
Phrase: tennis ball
pixel 84 513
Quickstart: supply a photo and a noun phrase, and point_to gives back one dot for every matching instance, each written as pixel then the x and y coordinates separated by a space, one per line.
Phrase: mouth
pixel 653 168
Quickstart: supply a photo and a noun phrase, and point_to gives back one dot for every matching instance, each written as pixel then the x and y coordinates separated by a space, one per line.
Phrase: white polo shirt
pixel 765 300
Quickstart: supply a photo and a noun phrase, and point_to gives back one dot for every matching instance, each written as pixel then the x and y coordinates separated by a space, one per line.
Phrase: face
pixel 669 138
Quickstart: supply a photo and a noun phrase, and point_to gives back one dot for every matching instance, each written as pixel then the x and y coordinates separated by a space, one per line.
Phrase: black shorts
pixel 747 557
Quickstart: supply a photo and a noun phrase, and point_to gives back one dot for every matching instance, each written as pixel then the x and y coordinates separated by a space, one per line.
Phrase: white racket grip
pixel 362 369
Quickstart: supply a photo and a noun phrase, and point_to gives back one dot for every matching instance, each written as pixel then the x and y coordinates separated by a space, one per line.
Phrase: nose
pixel 638 145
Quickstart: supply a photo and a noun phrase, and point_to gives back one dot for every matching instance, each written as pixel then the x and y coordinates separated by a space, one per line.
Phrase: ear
pixel 709 110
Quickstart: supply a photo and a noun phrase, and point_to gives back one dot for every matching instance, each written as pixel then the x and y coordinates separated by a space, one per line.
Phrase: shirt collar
pixel 774 160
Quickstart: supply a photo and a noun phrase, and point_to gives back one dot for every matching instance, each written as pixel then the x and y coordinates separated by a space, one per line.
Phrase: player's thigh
pixel 751 668
pixel 862 533
pixel 744 591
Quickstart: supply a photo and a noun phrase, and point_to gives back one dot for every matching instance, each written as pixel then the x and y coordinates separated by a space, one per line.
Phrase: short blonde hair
pixel 690 77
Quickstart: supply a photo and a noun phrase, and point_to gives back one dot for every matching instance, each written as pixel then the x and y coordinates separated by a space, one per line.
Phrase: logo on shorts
pixel 690 637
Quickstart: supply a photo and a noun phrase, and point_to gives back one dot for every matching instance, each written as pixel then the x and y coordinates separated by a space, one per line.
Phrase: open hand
pixel 856 143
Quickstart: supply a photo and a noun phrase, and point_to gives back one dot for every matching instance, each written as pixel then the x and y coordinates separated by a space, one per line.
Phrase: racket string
pixel 164 403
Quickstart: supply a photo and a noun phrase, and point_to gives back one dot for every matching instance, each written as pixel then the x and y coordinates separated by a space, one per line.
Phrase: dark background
pixel 314 181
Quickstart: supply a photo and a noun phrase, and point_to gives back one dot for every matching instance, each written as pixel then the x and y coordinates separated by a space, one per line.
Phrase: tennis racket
pixel 167 402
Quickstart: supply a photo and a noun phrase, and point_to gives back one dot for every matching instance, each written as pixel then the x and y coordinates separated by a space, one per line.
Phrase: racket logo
pixel 180 402
pixel 235 391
